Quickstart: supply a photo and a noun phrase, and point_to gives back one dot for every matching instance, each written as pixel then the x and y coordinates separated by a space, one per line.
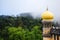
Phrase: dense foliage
pixel 23 27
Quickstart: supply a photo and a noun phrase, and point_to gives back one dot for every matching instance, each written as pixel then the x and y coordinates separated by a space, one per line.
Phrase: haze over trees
pixel 23 27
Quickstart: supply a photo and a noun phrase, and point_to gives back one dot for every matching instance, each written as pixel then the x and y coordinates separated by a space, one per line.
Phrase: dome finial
pixel 47 8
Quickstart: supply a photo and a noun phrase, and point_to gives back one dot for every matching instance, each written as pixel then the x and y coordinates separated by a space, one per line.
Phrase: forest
pixel 22 27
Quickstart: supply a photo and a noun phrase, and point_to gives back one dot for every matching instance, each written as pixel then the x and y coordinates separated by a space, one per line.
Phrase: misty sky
pixel 35 7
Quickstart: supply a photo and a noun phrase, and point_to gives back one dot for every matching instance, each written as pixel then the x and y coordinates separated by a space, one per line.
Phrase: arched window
pixel 57 37
pixel 54 37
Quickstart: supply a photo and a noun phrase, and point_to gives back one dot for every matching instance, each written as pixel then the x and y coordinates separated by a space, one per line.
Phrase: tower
pixel 47 19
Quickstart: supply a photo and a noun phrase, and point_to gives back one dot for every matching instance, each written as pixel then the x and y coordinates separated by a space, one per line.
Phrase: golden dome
pixel 47 15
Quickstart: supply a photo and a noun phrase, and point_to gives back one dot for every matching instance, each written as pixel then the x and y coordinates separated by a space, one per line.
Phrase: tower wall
pixel 50 38
pixel 47 25
pixel 45 38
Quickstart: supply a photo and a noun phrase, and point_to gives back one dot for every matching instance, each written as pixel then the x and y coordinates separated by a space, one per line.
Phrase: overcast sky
pixel 35 7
